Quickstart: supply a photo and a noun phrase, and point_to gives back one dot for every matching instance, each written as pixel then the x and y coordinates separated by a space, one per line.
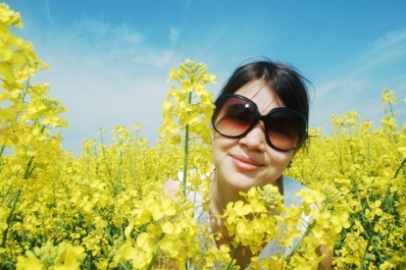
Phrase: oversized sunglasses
pixel 235 116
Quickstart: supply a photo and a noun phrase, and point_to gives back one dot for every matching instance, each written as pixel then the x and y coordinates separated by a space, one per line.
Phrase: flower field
pixel 106 209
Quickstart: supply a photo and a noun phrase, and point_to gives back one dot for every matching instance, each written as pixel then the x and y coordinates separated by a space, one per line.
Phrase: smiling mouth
pixel 246 164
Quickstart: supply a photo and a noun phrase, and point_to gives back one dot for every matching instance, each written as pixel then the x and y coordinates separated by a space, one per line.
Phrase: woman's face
pixel 242 163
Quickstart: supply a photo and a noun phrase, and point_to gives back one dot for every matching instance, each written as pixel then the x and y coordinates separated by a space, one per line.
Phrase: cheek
pixel 217 149
pixel 280 159
pixel 220 146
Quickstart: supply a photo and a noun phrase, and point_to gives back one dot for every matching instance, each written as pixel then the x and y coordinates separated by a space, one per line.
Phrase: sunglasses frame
pixel 259 117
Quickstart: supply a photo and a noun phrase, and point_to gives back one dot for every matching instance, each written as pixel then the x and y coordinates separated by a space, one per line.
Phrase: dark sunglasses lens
pixel 285 129
pixel 235 116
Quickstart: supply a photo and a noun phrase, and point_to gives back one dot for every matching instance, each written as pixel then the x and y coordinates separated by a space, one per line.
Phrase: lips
pixel 246 163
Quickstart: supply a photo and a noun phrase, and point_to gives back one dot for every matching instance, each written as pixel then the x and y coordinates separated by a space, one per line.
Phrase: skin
pixel 242 163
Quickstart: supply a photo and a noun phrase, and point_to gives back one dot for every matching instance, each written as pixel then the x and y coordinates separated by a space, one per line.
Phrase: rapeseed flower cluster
pixel 106 209
pixel 361 169
pixel 187 113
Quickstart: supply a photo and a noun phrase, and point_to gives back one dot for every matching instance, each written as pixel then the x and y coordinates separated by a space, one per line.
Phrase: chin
pixel 243 183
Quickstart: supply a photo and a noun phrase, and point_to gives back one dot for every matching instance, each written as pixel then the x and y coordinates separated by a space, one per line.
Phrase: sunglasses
pixel 236 115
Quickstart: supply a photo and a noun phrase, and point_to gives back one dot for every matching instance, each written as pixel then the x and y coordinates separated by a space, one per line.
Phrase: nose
pixel 255 140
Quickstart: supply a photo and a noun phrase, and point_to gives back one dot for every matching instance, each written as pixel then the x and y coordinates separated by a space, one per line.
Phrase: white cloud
pixel 392 38
pixel 106 77
pixel 104 34
pixel 402 89
pixel 385 51
pixel 132 38
pixel 48 11
pixel 92 26
pixel 359 85
pixel 173 34
pixel 327 87
pixel 106 96
pixel 154 58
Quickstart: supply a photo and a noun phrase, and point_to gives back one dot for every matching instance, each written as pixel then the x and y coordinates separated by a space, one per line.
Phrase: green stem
pixel 2 150
pixel 113 184
pixel 301 241
pixel 234 256
pixel 24 93
pixel 27 168
pixel 152 262
pixel 5 195
pixel 27 171
pixel 185 159
pixel 104 156
pixel 186 151
pixel 125 265
pixel 400 167
pixel 370 242
pixel 5 232
pixel 365 253
pixel 386 201
pixel 385 206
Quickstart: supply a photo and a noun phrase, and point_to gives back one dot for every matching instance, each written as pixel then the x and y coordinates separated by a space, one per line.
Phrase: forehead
pixel 262 94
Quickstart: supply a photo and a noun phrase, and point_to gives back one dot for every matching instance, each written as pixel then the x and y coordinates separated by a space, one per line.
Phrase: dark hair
pixel 288 84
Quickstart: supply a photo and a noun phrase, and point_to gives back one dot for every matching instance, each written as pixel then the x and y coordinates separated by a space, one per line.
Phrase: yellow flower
pixel 106 208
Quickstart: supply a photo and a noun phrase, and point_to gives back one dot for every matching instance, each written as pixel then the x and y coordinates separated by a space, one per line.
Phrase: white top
pixel 290 188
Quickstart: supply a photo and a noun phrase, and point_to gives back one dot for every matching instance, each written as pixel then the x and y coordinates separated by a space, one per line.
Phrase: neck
pixel 221 194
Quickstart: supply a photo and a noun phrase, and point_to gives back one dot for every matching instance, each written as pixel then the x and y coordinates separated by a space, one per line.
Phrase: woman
pixel 260 122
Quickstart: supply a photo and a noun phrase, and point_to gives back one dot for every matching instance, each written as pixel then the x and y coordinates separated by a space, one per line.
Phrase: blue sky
pixel 110 59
